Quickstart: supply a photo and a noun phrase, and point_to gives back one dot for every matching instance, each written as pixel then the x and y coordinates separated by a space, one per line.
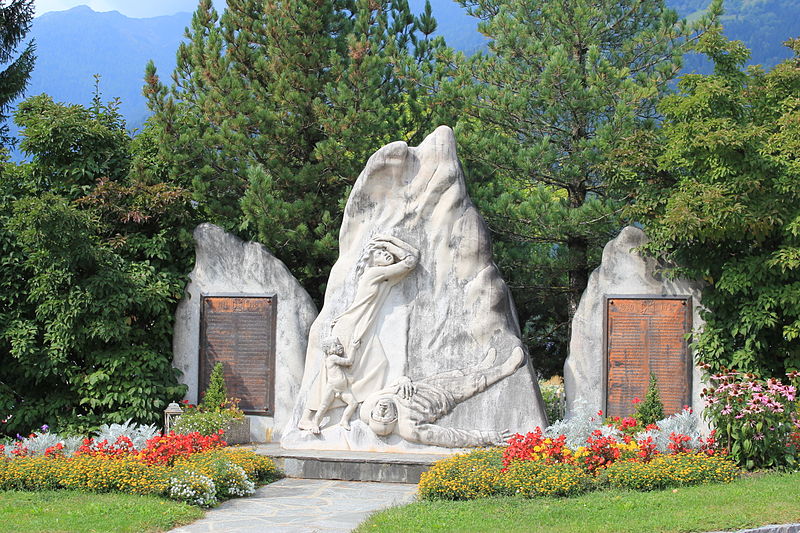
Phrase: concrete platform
pixel 349 465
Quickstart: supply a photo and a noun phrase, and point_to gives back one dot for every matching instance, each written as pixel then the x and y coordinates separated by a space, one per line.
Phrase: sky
pixel 129 8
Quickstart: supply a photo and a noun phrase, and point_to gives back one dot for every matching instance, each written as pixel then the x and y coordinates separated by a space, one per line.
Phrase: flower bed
pixel 584 453
pixel 194 468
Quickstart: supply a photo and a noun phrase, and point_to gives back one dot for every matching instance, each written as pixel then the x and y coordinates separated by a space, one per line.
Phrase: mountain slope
pixel 74 45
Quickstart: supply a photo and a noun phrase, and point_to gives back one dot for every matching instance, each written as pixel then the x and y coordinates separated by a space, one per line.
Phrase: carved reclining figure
pixel 410 409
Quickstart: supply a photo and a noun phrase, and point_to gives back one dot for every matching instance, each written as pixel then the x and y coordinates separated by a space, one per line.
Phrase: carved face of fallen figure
pixel 383 417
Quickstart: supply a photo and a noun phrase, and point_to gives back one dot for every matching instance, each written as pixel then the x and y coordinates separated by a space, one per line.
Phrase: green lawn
pixel 749 502
pixel 68 511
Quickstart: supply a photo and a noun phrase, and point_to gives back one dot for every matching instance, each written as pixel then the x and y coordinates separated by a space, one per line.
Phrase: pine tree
pixel 650 410
pixel 15 21
pixel 216 393
pixel 560 85
pixel 275 108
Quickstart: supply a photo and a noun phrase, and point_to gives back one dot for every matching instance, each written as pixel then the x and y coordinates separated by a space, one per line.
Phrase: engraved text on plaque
pixel 645 335
pixel 239 331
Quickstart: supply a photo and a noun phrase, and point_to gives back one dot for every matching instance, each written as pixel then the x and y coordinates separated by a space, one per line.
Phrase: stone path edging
pixel 774 528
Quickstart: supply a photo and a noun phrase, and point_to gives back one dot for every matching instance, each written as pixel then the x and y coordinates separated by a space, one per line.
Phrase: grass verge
pixel 70 511
pixel 749 502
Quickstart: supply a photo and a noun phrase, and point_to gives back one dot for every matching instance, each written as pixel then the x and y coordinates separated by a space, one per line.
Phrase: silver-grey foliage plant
pixel 39 441
pixel 683 423
pixel 584 421
pixel 139 434
pixel 578 427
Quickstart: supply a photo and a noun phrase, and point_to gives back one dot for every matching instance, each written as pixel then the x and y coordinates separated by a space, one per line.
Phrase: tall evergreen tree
pixel 275 108
pixel 560 85
pixel 15 21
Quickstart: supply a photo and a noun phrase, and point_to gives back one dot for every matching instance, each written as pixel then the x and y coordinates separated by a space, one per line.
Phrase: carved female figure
pixel 386 261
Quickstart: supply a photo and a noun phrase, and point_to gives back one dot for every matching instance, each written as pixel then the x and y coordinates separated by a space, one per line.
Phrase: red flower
pixel 636 400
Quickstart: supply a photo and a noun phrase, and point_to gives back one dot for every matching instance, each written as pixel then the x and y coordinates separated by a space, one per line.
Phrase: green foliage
pixel 665 471
pixel 205 422
pixel 216 411
pixel 216 393
pixel 650 410
pixel 537 478
pixel 275 108
pixel 717 189
pixel 90 278
pixel 15 21
pixel 553 396
pixel 540 113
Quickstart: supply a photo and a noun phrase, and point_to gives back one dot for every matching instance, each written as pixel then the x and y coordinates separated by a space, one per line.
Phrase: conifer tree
pixel 275 108
pixel 650 410
pixel 15 21
pixel 560 85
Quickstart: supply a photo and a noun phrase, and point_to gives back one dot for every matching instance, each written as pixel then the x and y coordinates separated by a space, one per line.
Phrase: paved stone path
pixel 303 506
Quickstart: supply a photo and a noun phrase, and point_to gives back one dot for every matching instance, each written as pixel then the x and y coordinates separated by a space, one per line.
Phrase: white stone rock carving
pixel 226 264
pixel 446 313
pixel 622 271
pixel 385 262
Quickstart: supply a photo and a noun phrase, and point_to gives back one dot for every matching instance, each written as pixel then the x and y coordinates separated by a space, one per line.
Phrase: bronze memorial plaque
pixel 239 331
pixel 643 335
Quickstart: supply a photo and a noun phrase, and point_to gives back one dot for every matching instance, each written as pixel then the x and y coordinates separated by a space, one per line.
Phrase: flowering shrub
pixel 600 452
pixel 618 452
pixel 192 468
pixel 755 418
pixel 121 447
pixel 463 477
pixel 233 474
pixel 193 488
pixel 216 411
pixel 165 449
pixel 258 468
pixel 675 470
pixel 207 422
pixel 30 473
pixel 535 446
pixel 97 473
pixel 539 478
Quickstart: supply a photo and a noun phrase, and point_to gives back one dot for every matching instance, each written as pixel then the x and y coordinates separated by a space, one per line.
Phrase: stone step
pixel 350 465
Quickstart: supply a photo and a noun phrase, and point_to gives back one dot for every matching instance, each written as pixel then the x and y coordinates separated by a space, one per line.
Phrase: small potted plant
pixel 216 412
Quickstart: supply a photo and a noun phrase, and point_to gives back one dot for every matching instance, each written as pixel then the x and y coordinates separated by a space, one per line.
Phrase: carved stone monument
pixel 417 347
pixel 244 308
pixel 631 321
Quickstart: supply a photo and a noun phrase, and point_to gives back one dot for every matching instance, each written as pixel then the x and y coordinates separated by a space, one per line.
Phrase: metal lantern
pixel 171 414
